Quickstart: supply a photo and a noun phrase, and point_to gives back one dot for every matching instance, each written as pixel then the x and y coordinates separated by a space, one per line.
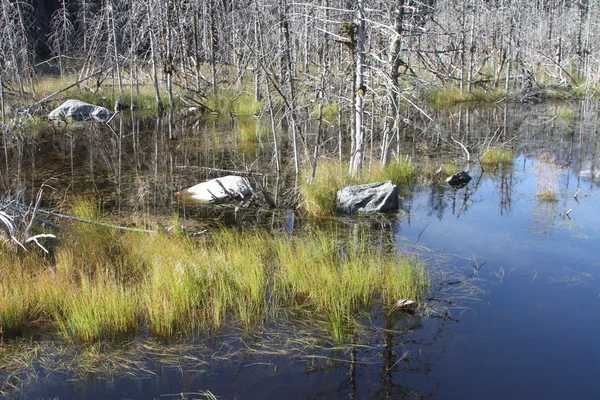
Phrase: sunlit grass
pixel 233 101
pixel 103 285
pixel 343 277
pixel 330 112
pixel 442 97
pixel 97 309
pixel 496 156
pixel 400 172
pixel 144 97
pixel 319 194
pixel 250 130
pixel 565 113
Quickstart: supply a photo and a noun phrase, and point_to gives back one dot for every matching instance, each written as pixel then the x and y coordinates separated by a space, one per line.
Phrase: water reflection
pixel 505 261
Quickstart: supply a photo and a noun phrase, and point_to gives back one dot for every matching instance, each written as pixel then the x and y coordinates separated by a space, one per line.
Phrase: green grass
pixel 444 97
pixel 565 113
pixel 319 195
pixel 343 277
pixel 35 124
pixel 101 309
pixel 330 112
pixel 496 156
pixel 101 286
pixel 250 130
pixel 233 101
pixel 400 172
pixel 144 97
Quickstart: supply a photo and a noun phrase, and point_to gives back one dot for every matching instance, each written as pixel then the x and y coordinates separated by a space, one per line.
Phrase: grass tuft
pixel 400 172
pixel 336 278
pixel 319 195
pixel 496 156
pixel 548 174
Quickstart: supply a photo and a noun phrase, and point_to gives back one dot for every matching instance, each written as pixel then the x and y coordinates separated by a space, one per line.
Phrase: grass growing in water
pixel 398 171
pixel 445 97
pixel 102 285
pixel 496 156
pixel 343 277
pixel 318 195
pixel 234 101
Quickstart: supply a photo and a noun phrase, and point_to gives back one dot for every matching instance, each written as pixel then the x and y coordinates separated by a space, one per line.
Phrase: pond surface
pixel 514 312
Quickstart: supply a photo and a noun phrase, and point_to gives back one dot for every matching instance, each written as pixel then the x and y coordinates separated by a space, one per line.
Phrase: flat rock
pixel 218 190
pixel 369 197
pixel 80 111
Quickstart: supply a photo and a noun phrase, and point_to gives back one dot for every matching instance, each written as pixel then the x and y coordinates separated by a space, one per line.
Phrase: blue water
pixel 514 313
pixel 533 333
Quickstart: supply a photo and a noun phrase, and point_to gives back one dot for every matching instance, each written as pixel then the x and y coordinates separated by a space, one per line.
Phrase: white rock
pixel 217 190
pixel 80 111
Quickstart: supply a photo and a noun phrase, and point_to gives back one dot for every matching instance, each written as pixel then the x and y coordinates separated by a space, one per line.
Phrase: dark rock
pixel 459 180
pixel 370 197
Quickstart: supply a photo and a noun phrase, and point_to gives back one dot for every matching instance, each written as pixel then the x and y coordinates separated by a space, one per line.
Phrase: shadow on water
pixel 513 312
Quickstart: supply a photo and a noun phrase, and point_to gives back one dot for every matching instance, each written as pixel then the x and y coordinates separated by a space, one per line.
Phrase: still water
pixel 514 309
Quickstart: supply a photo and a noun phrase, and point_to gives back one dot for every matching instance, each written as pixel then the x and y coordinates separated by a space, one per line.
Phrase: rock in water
pixel 460 179
pixel 370 197
pixel 80 111
pixel 218 190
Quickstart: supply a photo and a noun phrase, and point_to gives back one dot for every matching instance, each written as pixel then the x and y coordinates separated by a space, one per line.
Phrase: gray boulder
pixel 369 197
pixel 80 111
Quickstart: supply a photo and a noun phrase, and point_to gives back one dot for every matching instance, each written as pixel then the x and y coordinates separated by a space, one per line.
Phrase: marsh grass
pixel 439 98
pixel 100 310
pixel 144 97
pixel 250 130
pixel 234 101
pixel 319 195
pixel 401 172
pixel 497 156
pixel 565 113
pixel 548 175
pixel 337 279
pixel 102 285
pixel 330 112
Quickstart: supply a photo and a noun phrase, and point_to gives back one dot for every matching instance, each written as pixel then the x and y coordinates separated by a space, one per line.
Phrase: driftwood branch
pixel 464 149
pixel 20 207
pixel 227 171
pixel 33 215
pixel 88 221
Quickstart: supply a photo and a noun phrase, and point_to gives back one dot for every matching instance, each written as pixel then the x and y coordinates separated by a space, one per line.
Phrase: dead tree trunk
pixel 288 76
pixel 356 158
pixel 394 90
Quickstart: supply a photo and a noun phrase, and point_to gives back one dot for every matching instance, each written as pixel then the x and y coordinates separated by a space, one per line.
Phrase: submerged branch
pixel 20 207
